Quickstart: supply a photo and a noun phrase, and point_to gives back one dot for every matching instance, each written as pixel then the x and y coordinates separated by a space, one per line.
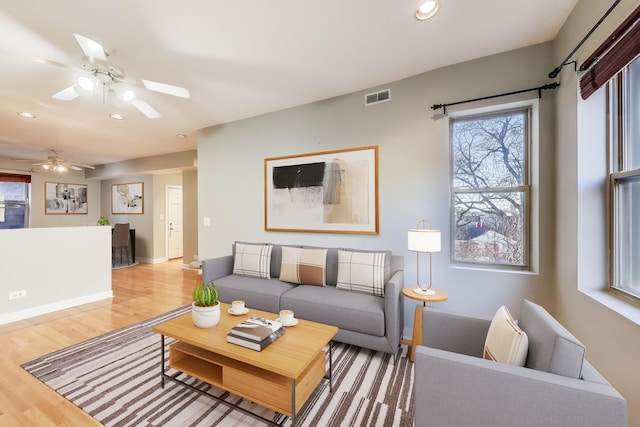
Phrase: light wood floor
pixel 140 292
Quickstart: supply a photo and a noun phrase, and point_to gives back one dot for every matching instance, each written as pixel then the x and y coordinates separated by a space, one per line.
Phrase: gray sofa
pixel 456 387
pixel 364 320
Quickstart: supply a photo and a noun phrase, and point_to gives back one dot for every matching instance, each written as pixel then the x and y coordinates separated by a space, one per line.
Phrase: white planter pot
pixel 205 317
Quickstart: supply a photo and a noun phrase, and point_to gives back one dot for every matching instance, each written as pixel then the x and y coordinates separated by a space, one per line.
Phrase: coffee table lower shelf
pixel 269 389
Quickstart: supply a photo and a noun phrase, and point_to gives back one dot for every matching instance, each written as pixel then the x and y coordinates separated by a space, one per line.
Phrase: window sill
pixel 625 307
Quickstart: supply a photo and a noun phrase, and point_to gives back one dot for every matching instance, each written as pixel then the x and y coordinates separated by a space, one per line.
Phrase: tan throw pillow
pixel 252 260
pixel 506 342
pixel 361 272
pixel 303 266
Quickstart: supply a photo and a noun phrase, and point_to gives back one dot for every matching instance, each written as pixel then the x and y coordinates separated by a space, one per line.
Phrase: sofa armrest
pixel 454 390
pixel 454 332
pixel 215 268
pixel 393 311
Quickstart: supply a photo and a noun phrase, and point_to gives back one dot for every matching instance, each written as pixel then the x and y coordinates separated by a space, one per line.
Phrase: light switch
pixel 161 217
pixel 207 221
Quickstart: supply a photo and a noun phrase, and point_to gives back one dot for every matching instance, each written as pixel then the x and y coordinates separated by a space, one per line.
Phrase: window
pixel 14 200
pixel 624 104
pixel 491 188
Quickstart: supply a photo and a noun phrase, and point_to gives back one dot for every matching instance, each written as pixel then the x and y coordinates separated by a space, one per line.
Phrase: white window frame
pixel 621 173
pixel 529 198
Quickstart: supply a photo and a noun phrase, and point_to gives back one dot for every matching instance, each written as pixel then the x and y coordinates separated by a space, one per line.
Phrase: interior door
pixel 174 221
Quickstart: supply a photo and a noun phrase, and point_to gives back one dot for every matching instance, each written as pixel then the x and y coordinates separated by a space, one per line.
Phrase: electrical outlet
pixel 18 294
pixel 195 257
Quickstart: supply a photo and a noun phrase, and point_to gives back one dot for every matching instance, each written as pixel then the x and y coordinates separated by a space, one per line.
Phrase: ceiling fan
pixel 55 163
pixel 102 75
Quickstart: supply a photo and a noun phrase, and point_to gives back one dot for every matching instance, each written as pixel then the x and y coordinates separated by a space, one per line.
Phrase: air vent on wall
pixel 377 97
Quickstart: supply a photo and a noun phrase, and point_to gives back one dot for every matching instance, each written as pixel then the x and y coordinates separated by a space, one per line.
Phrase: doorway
pixel 174 221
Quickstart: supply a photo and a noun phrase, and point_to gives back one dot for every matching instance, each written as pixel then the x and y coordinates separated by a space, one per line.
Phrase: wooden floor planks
pixel 140 292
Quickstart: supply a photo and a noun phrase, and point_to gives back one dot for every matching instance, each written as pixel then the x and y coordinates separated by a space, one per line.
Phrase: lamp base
pixel 421 291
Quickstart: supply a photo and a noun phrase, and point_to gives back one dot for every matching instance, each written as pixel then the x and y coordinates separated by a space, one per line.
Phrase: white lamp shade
pixel 424 240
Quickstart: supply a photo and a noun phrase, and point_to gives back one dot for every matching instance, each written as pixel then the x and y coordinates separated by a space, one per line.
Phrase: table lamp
pixel 424 240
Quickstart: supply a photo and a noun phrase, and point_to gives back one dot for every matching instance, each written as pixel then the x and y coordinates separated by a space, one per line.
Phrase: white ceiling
pixel 237 58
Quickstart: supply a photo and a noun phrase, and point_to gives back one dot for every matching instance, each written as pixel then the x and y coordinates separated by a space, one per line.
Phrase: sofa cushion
pixel 361 272
pixel 347 310
pixel 505 342
pixel 257 293
pixel 303 266
pixel 252 260
pixel 551 347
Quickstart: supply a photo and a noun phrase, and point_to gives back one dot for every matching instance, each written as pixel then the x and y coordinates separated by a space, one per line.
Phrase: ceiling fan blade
pixel 91 48
pixel 145 108
pixel 78 167
pixel 66 94
pixel 40 60
pixel 168 89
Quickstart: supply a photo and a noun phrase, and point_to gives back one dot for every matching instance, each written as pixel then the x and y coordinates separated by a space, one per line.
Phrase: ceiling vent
pixel 377 97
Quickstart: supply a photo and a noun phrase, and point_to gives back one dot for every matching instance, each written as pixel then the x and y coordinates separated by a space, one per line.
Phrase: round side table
pixel 439 296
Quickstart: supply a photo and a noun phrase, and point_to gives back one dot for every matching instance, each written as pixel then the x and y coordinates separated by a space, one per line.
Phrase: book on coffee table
pixel 253 345
pixel 255 333
pixel 256 328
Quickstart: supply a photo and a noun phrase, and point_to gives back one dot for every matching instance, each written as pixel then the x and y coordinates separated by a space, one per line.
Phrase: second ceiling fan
pixel 103 75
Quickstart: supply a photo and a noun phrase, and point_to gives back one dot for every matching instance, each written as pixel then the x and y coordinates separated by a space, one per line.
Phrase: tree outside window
pixel 491 188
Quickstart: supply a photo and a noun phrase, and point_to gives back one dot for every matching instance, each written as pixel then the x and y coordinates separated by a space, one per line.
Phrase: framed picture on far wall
pixel 325 192
pixel 127 198
pixel 64 198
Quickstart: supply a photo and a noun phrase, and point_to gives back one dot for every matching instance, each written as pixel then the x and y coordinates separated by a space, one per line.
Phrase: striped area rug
pixel 115 378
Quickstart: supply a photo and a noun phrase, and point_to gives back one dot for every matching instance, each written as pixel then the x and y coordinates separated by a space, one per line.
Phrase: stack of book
pixel 255 333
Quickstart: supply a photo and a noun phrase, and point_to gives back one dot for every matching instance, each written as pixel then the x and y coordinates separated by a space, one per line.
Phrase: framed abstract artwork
pixel 325 192
pixel 127 198
pixel 64 198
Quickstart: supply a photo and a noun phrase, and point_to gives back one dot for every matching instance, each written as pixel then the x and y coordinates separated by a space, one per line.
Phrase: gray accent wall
pixel 414 173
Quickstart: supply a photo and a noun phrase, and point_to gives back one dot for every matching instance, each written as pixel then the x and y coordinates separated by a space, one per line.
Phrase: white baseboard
pixel 50 308
pixel 152 260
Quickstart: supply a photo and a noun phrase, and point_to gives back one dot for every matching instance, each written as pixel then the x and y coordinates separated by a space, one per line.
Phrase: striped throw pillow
pixel 361 272
pixel 303 266
pixel 252 260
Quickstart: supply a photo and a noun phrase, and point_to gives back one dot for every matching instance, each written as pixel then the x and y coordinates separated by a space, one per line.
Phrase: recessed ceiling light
pixel 26 115
pixel 182 135
pixel 116 116
pixel 427 9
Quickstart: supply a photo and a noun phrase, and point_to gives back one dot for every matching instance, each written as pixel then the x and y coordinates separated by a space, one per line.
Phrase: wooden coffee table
pixel 280 377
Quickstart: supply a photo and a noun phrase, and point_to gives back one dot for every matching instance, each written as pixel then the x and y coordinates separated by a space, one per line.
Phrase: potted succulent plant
pixel 205 309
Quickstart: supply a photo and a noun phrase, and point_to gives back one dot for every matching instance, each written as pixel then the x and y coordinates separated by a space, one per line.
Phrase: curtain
pixel 14 177
pixel 620 48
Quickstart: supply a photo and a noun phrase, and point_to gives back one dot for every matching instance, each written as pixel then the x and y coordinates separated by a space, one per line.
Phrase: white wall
pixel 414 173
pixel 582 303
pixel 58 267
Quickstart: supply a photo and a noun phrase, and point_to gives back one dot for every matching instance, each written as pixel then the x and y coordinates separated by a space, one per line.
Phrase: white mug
pixel 286 317
pixel 237 306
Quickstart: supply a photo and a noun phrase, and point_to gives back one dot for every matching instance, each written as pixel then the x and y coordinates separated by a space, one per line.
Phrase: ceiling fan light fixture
pixel 86 83
pixel 128 95
pixel 427 9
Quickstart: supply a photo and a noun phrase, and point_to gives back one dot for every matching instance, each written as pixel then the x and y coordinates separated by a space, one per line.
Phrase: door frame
pixel 167 188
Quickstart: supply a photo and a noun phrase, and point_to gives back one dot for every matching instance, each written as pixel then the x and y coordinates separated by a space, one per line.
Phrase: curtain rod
pixel 538 89
pixel 553 74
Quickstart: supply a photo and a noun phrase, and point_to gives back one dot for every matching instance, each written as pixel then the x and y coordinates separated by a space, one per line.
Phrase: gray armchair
pixel 456 387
